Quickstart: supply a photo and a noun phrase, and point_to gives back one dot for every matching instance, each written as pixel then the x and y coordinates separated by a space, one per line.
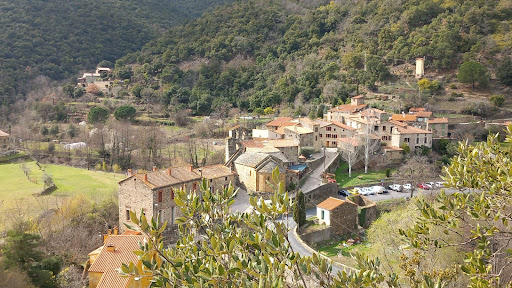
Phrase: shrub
pixel 388 172
pixel 497 100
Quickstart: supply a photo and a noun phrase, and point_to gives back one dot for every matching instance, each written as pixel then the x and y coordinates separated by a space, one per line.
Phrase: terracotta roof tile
pixel 107 262
pixel 358 97
pixel 416 109
pixel 411 130
pixel 253 143
pixel 404 117
pixel 278 122
pixel 348 108
pixel 427 114
pixel 341 125
pixel 330 203
pixel 214 171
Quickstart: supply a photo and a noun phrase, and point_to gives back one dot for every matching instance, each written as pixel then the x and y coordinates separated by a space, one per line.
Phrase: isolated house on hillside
pixel 116 251
pixel 4 140
pixel 340 215
pixel 153 192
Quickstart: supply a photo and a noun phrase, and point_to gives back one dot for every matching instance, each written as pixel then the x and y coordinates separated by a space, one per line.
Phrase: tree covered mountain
pixel 257 54
pixel 57 38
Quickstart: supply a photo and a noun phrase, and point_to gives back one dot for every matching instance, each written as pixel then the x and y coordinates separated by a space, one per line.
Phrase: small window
pixel 160 195
pixel 211 180
pixel 127 214
pixel 172 194
pixel 194 187
pixel 323 214
pixel 225 178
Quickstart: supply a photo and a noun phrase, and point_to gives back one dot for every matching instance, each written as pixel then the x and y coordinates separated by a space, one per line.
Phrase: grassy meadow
pixel 18 194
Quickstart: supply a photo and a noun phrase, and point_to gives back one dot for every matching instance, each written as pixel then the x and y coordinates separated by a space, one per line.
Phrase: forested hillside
pixel 57 38
pixel 258 53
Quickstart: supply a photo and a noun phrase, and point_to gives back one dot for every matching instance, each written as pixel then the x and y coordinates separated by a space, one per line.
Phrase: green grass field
pixel 19 195
pixel 358 177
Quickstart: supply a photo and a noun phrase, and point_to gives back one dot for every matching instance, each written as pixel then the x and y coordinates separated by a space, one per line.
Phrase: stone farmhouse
pixel 153 192
pixel 340 215
pixel 345 216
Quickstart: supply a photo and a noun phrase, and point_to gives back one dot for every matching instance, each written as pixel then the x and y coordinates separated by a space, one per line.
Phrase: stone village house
pixel 153 192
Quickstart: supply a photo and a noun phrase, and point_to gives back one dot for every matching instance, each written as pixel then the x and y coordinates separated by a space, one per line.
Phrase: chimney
pixel 154 168
pixel 169 171
pixel 130 172
pixel 403 114
pixel 116 231
pixel 111 247
pixel 146 177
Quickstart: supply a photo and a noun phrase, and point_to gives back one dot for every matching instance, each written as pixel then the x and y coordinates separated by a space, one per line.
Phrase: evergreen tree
pixel 299 209
pixel 472 72
pixel 504 72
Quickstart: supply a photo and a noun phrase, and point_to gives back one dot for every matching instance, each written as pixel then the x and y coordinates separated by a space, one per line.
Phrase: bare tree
pixel 351 153
pixel 371 144
pixel 416 170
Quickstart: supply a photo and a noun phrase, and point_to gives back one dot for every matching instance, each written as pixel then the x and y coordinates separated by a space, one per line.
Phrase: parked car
pixel 432 185
pixel 407 186
pixel 395 187
pixel 368 191
pixel 424 186
pixel 440 184
pixel 379 189
pixel 343 192
pixel 355 191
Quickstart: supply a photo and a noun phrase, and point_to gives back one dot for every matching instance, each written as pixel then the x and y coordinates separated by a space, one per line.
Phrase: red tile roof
pixel 404 117
pixel 107 262
pixel 214 171
pixel 330 203
pixel 348 108
pixel 278 122
pixel 411 130
pixel 427 114
pixel 416 109
pixel 358 97
pixel 341 125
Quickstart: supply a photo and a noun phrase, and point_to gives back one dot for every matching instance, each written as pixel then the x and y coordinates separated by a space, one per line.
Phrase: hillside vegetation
pixel 258 54
pixel 58 38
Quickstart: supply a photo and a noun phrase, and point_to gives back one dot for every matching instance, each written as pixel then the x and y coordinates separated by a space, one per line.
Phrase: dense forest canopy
pixel 257 53
pixel 58 38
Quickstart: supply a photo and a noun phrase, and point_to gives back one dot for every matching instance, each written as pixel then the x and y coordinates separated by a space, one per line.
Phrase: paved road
pixel 242 201
pixel 315 178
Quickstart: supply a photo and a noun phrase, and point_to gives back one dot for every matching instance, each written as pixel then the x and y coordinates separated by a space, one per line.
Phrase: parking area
pixel 403 194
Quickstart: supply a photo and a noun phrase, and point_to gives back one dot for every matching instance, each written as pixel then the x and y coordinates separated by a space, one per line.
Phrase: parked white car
pixel 432 185
pixel 368 191
pixel 379 189
pixel 395 187
pixel 407 186
pixel 439 184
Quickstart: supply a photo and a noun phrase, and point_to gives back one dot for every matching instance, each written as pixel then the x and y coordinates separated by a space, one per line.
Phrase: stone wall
pixel 367 210
pixel 316 236
pixel 321 193
pixel 313 164
pixel 247 176
pixel 344 219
